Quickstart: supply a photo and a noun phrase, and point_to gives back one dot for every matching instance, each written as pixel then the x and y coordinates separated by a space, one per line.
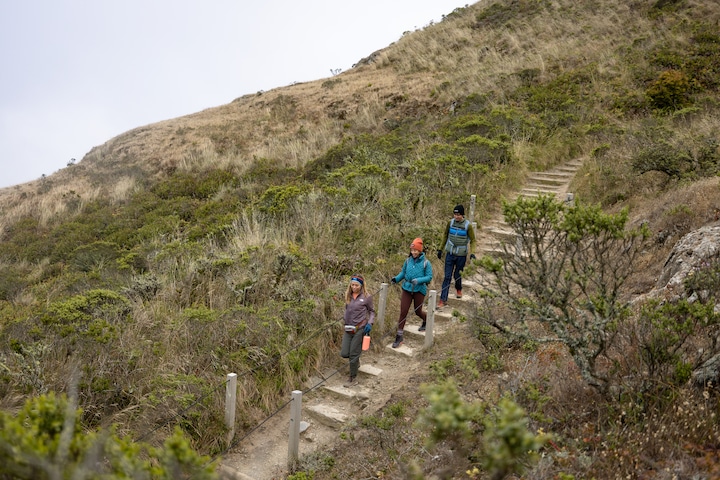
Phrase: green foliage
pixel 671 91
pixel 535 396
pixel 144 286
pixel 509 447
pixel 278 199
pixel 45 440
pixel 198 185
pixel 200 314
pixel 25 239
pixel 662 157
pixel 94 314
pixel 95 255
pixel 678 337
pixel 573 264
pixel 25 365
pixel 482 150
pixel 12 281
pixel 499 14
pixel 388 420
pixel 448 416
pixel 492 363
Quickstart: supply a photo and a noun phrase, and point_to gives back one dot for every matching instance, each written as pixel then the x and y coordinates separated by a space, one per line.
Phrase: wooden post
pixel 295 418
pixel 430 325
pixel 230 402
pixel 472 208
pixel 382 304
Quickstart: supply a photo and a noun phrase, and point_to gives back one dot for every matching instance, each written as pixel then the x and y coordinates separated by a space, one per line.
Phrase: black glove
pixel 392 280
pixel 472 256
pixel 368 327
pixel 439 252
pixel 414 282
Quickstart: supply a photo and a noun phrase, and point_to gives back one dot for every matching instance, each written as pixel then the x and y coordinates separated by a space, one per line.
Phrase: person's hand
pixel 368 327
pixel 392 280
pixel 472 256
pixel 414 282
pixel 439 254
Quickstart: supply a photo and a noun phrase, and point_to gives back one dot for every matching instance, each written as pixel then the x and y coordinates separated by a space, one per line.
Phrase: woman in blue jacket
pixel 416 273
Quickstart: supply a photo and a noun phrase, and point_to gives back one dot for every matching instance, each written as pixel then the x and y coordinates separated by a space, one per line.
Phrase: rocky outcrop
pixel 690 252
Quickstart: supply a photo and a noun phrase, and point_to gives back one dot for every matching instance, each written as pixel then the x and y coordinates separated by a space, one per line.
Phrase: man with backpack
pixel 458 241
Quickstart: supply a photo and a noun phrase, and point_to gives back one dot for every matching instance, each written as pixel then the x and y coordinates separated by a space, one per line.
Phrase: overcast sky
pixel 75 73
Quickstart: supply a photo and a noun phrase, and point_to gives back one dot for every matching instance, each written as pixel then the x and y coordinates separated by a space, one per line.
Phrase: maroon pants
pixel 405 300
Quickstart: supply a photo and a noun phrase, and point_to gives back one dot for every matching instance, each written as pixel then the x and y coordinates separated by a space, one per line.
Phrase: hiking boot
pixel 398 341
pixel 351 382
pixel 422 327
pixel 440 304
pixel 458 294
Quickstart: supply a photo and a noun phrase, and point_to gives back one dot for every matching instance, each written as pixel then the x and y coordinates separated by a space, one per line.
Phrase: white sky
pixel 75 73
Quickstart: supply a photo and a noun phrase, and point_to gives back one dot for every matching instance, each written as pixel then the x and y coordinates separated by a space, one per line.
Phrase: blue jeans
pixel 453 269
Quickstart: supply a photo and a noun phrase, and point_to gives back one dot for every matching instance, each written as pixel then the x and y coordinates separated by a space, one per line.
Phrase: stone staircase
pixel 330 407
pixel 495 232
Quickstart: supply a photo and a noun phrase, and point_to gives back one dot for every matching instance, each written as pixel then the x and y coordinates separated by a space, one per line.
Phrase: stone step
pixel 370 370
pixel 417 335
pixel 536 191
pixel 501 234
pixel 550 175
pixel 497 253
pixel 229 472
pixel 495 223
pixel 445 313
pixel 544 186
pixel 567 168
pixel 328 415
pixel 350 394
pixel 403 350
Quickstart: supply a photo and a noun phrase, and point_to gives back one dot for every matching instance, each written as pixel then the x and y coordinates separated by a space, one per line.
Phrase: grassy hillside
pixel 217 242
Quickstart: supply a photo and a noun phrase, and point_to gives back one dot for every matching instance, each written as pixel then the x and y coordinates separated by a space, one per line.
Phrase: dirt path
pixel 327 406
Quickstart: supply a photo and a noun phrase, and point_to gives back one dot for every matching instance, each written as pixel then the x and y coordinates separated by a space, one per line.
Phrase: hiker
pixel 458 241
pixel 359 318
pixel 416 273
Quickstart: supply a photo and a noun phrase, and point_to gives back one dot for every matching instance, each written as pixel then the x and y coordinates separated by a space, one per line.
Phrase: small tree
pixel 565 271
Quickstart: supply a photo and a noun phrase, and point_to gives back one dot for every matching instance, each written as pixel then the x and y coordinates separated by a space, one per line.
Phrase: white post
pixel 380 317
pixel 430 325
pixel 295 418
pixel 230 402
pixel 472 208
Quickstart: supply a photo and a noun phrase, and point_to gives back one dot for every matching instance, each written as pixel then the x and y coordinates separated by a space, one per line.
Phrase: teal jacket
pixel 419 268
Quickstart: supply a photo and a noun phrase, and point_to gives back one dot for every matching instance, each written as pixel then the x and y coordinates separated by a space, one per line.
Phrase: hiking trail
pixel 384 370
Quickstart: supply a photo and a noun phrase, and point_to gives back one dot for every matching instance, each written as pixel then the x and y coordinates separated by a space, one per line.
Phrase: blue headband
pixel 357 279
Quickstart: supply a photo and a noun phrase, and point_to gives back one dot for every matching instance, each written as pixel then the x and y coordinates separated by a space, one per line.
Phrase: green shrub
pixel 673 337
pixel 94 314
pixel 93 255
pixel 276 200
pixel 448 416
pixel 12 281
pixel 662 157
pixel 45 440
pixel 671 91
pixel 510 448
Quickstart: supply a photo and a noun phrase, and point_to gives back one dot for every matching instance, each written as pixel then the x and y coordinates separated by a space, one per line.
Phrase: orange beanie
pixel 417 244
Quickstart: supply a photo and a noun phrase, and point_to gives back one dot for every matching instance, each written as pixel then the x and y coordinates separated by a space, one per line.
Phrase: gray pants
pixel 352 348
